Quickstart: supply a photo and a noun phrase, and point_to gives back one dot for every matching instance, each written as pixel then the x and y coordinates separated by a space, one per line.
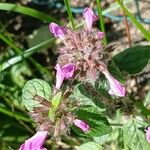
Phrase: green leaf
pixel 90 146
pixel 51 114
pixel 55 103
pixel 115 72
pixel 27 11
pixel 32 88
pixel 102 87
pixel 102 139
pixel 133 60
pixel 143 110
pixel 147 99
pixel 134 137
pixel 56 100
pixel 84 96
pixel 98 124
pixel 35 39
pixel 18 72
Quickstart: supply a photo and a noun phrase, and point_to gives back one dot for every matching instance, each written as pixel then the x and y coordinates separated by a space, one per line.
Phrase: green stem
pixel 69 13
pixel 101 19
pixel 14 115
pixel 135 21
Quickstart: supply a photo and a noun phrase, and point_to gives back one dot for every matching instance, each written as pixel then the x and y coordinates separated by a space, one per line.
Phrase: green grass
pixel 101 19
pixel 28 11
pixel 69 13
pixel 145 33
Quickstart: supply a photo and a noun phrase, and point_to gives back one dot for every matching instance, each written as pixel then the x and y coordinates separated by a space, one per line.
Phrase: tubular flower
pixel 36 142
pixel 115 86
pixel 63 117
pixel 57 30
pixel 148 134
pixel 64 72
pixel 90 17
pixel 82 125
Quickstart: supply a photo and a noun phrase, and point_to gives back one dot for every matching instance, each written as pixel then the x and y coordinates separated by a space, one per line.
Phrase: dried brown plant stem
pixel 127 28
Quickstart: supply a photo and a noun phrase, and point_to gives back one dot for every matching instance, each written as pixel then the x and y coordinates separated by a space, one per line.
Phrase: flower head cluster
pixel 84 50
pixel 51 120
pixel 81 48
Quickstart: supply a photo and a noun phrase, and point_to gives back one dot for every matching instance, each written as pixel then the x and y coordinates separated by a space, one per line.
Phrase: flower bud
pixel 82 125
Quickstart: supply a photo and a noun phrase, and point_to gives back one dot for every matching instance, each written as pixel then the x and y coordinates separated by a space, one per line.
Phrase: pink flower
pixel 100 35
pixel 90 17
pixel 57 30
pixel 64 72
pixel 115 86
pixel 35 142
pixel 82 125
pixel 148 134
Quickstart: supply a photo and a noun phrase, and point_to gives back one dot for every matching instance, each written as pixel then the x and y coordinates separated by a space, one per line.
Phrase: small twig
pixel 127 28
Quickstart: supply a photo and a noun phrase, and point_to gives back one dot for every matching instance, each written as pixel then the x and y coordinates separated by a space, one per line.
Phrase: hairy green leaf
pixel 85 97
pixel 134 136
pixel 98 123
pixel 56 99
pixel 115 72
pixel 133 60
pixel 31 89
pixel 147 99
pixel 18 72
pixel 90 146
pixel 102 87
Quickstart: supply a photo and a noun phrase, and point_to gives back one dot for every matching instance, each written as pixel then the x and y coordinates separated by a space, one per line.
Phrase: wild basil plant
pixel 87 82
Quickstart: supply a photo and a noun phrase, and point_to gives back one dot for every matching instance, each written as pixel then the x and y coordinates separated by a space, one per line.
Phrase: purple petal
pixel 68 70
pixel 59 76
pixel 35 142
pixel 148 134
pixel 100 35
pixel 64 72
pixel 90 17
pixel 57 30
pixel 82 125
pixel 115 86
